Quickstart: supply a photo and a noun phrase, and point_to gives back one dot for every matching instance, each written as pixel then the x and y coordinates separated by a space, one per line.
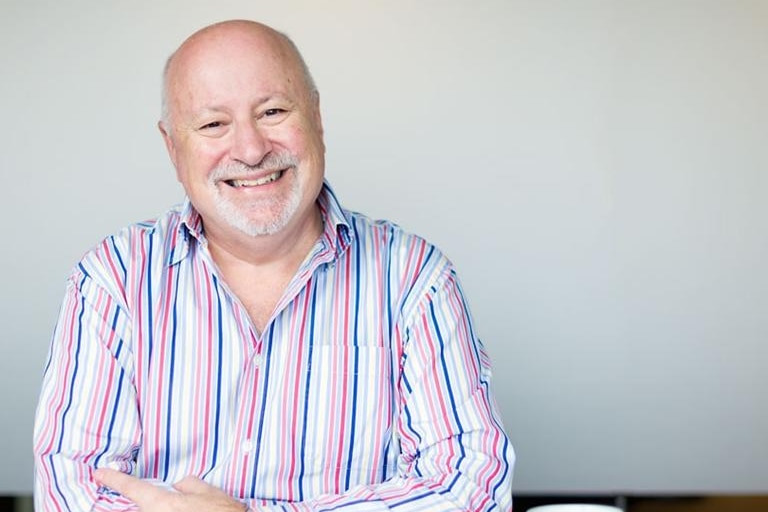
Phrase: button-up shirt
pixel 367 390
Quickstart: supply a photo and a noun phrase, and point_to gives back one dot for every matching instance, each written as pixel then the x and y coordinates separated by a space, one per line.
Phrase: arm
pixel 452 436
pixel 86 416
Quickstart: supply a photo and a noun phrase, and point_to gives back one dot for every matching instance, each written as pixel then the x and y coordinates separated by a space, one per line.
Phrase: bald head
pixel 222 40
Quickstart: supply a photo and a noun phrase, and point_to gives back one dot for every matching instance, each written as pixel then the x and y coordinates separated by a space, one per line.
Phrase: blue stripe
pixel 119 257
pixel 410 499
pixel 394 363
pixel 150 327
pixel 265 383
pixel 444 366
pixel 172 372
pixel 310 350
pixel 118 394
pixel 112 419
pixel 75 370
pixel 219 370
pixel 56 483
pixel 355 332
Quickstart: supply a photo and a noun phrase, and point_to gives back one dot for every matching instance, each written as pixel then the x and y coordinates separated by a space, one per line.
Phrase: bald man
pixel 259 347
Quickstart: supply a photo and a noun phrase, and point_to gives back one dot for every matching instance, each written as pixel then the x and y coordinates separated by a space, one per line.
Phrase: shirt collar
pixel 191 221
pixel 337 228
pixel 189 229
pixel 337 231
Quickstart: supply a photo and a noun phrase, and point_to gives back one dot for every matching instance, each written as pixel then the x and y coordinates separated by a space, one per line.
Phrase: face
pixel 244 132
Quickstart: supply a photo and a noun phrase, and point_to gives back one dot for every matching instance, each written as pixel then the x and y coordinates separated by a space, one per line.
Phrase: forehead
pixel 233 65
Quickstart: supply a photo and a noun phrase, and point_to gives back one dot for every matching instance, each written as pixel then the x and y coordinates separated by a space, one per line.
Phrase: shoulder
pixel 139 245
pixel 416 265
pixel 413 267
pixel 397 240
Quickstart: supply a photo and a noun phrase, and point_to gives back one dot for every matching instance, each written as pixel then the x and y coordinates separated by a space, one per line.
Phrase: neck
pixel 259 269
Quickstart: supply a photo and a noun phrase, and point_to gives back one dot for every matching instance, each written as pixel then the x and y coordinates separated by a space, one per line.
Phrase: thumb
pixel 139 491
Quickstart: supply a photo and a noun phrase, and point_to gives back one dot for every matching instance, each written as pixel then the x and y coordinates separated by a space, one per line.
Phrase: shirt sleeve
pixel 455 454
pixel 87 415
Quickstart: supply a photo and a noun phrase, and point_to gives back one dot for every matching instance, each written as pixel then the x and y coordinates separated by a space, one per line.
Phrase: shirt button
pixel 247 445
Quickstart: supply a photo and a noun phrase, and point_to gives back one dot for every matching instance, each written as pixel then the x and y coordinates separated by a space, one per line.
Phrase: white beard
pixel 262 217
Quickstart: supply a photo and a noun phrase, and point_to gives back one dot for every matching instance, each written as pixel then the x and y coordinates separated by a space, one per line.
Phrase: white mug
pixel 574 507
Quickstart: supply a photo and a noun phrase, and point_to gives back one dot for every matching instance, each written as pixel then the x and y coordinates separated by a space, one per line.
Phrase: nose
pixel 250 145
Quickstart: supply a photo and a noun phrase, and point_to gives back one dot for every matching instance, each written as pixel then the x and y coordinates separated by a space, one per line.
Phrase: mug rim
pixel 574 507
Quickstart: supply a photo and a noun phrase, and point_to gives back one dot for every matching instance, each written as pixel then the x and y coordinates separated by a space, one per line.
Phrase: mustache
pixel 270 162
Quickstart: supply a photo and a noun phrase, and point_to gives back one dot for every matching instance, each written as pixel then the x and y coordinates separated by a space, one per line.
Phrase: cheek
pixel 197 160
pixel 308 141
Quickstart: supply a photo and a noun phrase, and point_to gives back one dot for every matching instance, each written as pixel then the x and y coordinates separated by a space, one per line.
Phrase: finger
pixel 135 489
pixel 206 496
pixel 193 485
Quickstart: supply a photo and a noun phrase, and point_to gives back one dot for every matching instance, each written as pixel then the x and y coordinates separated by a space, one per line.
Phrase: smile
pixel 269 178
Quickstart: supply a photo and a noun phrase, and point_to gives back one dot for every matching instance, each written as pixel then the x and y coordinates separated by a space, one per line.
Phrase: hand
pixel 193 494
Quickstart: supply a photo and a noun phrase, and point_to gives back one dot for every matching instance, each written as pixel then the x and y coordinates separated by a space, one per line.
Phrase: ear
pixel 169 145
pixel 318 119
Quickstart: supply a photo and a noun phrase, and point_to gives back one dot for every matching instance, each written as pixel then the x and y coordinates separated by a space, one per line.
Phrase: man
pixel 259 347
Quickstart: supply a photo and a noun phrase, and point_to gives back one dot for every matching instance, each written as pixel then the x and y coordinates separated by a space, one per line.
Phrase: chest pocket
pixel 350 413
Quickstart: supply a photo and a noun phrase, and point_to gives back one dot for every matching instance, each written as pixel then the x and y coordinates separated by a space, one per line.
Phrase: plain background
pixel 597 170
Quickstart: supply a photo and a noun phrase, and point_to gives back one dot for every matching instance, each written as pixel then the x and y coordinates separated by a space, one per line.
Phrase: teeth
pixel 255 183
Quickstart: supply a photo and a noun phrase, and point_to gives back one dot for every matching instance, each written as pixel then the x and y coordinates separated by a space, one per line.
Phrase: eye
pixel 273 112
pixel 214 124
pixel 212 128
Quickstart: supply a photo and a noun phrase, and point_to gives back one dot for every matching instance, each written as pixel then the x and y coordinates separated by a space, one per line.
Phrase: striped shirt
pixel 367 390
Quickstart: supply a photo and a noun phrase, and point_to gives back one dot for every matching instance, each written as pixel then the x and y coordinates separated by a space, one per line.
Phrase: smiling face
pixel 243 130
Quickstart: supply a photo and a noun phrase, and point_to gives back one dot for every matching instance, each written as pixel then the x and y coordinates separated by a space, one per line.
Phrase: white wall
pixel 596 169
